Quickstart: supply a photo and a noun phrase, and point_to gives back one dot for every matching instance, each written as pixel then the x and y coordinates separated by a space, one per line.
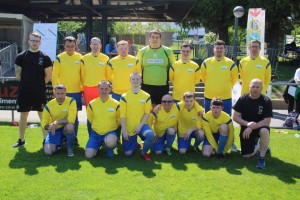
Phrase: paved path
pixel 6 116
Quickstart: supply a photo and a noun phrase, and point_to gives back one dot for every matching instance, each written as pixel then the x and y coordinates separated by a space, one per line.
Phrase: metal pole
pixel 236 24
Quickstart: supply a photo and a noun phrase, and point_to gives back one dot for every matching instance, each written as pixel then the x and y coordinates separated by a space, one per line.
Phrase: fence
pixel 7 60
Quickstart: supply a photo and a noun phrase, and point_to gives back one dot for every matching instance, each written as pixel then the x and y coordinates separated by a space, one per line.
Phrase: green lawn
pixel 26 173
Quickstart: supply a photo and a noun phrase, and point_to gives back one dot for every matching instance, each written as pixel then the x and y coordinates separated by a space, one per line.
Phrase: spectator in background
pixel 110 48
pixel 132 50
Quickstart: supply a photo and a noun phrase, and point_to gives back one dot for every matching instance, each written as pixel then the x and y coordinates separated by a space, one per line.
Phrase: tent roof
pixel 116 10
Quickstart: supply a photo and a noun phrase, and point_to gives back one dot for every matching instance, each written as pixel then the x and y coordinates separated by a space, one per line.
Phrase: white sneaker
pixel 70 153
pixel 233 148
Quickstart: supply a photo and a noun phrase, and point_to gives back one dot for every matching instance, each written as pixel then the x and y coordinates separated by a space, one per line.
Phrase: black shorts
pixel 248 145
pixel 156 92
pixel 28 103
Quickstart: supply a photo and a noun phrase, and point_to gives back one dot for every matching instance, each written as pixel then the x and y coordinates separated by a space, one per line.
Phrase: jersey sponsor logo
pixel 260 110
pixel 142 101
pixel 194 118
pixel 223 67
pixel 110 109
pixel 101 63
pixel 41 61
pixel 172 115
pixel 190 70
pixel 77 62
pixel 64 110
pixel 258 66
pixel 130 64
pixel 155 61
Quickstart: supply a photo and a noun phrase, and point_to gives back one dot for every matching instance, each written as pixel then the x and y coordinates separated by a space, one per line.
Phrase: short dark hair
pixel 186 44
pixel 104 81
pixel 219 42
pixel 69 39
pixel 217 101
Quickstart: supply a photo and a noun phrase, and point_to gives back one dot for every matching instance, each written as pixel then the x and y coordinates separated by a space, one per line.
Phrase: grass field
pixel 26 173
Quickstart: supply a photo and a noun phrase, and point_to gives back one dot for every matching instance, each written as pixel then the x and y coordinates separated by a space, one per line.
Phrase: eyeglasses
pixel 167 101
pixel 35 41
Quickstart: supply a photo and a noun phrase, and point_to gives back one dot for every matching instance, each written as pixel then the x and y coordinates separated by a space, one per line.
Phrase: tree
pixel 214 15
pixel 71 26
pixel 217 16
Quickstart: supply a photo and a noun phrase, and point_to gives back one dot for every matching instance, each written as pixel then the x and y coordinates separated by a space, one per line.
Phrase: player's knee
pixel 200 134
pixel 128 153
pixel 223 129
pixel 111 141
pixel 48 151
pixel 182 151
pixel 264 133
pixel 89 154
pixel 69 128
pixel 171 131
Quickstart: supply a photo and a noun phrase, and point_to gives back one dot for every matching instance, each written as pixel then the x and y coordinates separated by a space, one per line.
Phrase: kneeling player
pixel 218 129
pixel 58 118
pixel 103 114
pixel 189 123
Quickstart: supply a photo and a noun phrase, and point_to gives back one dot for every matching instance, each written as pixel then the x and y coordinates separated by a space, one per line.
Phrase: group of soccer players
pixel 130 95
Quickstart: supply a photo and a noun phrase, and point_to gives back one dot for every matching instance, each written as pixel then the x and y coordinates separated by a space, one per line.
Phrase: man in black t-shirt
pixel 253 112
pixel 33 69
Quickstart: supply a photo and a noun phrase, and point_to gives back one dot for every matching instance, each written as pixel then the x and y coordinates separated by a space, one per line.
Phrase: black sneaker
pixel 19 143
pixel 76 142
pixel 221 156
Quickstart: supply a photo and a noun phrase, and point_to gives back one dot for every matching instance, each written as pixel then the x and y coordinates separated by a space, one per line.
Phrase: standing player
pixel 189 123
pixel 219 131
pixel 184 74
pixel 58 118
pixel 104 115
pixel 120 68
pixel 219 74
pixel 164 123
pixel 255 66
pixel 93 70
pixel 135 107
pixel 33 69
pixel 66 71
pixel 253 111
pixel 156 60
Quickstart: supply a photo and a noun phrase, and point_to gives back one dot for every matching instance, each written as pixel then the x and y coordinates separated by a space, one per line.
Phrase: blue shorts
pixel 56 138
pixel 77 97
pixel 96 141
pixel 160 144
pixel 216 136
pixel 185 144
pixel 116 96
pixel 227 104
pixel 131 144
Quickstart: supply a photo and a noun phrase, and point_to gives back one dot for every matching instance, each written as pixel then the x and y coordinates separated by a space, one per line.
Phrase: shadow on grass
pixel 31 161
pixel 133 163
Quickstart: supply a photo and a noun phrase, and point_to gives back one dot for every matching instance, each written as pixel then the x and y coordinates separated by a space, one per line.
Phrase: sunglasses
pixel 167 101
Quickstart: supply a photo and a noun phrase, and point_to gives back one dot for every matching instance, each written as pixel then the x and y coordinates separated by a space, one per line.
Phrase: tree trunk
pixel 223 34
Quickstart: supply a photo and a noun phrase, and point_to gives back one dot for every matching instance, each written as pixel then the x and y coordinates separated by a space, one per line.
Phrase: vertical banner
pixel 256 27
pixel 48 32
